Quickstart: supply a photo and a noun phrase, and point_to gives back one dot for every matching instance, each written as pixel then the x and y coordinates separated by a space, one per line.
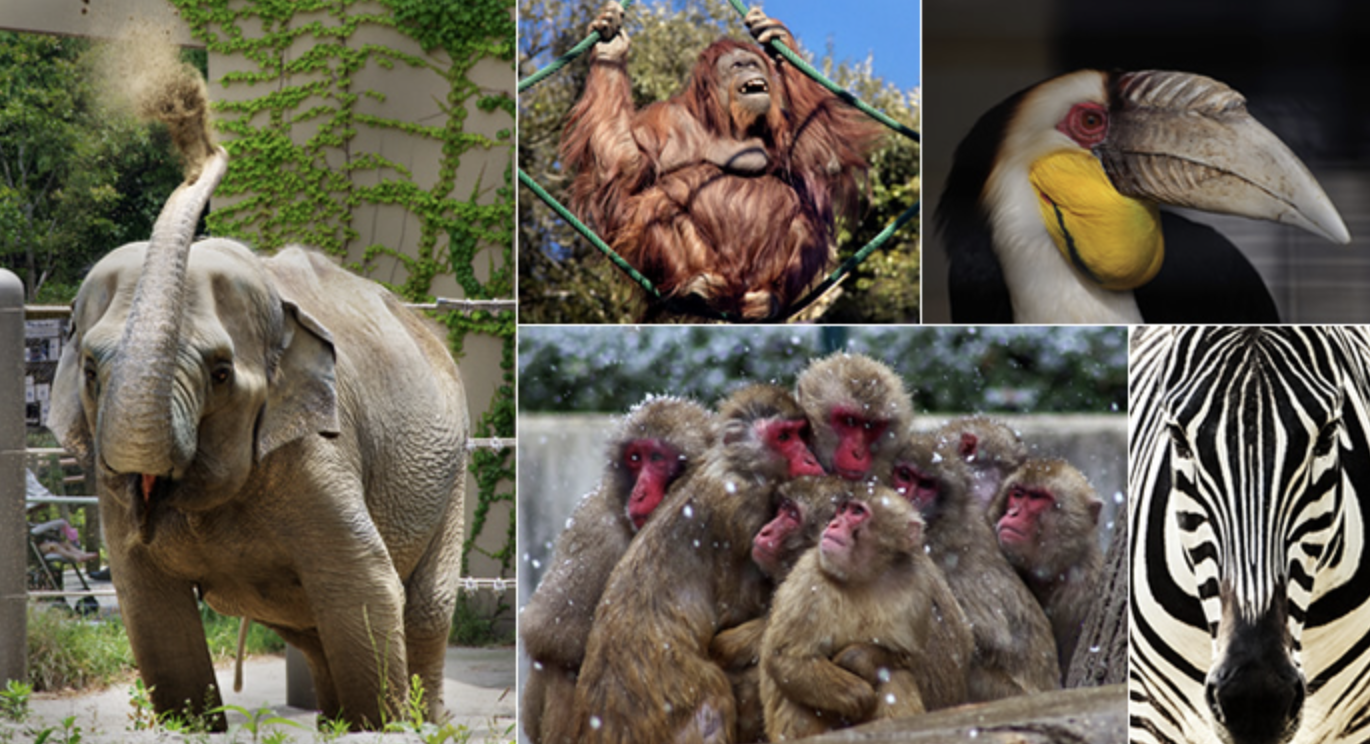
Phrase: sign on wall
pixel 42 348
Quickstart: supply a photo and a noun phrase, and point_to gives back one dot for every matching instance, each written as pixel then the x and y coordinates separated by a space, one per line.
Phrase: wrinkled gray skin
pixel 307 435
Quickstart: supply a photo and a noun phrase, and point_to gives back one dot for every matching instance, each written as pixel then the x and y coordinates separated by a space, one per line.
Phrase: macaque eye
pixel 656 457
pixel 849 421
pixel 784 435
pixel 634 457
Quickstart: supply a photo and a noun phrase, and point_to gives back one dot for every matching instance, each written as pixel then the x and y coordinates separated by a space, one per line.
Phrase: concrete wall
pixel 560 458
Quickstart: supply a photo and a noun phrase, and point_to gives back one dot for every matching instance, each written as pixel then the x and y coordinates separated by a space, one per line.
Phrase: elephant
pixel 282 438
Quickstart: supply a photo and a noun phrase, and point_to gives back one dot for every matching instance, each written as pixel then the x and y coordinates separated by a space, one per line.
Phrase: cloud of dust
pixel 140 73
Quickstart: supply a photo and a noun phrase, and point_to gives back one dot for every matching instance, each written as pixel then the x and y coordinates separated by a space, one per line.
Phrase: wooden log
pixel 1080 716
pixel 1101 655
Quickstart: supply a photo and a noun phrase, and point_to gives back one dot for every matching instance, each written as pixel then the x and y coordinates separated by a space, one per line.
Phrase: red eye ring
pixel 1086 123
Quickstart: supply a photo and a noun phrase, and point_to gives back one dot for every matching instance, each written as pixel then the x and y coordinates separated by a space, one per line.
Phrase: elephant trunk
pixel 137 432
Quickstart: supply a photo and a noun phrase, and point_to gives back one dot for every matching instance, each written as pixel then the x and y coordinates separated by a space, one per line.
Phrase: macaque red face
pixel 769 544
pixel 1020 528
pixel 786 437
pixel 913 484
pixel 653 464
pixel 856 432
pixel 841 546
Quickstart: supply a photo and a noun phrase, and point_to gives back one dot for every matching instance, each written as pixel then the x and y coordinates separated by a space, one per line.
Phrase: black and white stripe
pixel 1250 457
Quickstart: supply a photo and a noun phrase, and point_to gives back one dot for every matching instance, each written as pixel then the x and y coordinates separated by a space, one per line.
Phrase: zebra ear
pixel 1095 506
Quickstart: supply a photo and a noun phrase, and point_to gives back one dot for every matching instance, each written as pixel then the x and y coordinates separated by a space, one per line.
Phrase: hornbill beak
pixel 1187 140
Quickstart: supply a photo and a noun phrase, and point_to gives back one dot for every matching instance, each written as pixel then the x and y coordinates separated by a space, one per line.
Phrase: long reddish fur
pixel 747 244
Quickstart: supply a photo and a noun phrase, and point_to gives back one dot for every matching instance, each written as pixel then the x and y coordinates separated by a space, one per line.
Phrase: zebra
pixel 1249 486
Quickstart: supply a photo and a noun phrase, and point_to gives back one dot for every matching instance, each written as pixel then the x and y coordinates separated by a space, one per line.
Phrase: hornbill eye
pixel 1087 124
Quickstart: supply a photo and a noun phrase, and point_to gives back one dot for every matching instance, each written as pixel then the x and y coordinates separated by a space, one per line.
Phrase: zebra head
pixel 1255 421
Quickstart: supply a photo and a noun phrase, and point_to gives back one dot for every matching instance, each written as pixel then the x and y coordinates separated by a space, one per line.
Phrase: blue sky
pixel 888 29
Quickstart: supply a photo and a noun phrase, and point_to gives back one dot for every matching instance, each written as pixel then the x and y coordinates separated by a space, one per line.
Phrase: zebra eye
pixel 1181 444
pixel 1327 438
pixel 1189 521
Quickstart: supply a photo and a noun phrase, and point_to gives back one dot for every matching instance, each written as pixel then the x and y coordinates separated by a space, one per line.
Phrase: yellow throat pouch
pixel 1112 239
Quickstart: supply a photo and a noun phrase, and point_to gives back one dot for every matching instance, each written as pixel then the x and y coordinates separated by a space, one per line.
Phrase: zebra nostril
pixel 1211 697
pixel 1296 705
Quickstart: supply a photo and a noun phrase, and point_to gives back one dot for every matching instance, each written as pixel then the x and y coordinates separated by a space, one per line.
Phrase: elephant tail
pixel 238 665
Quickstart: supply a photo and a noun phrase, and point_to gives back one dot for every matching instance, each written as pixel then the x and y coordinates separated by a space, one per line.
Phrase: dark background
pixel 1302 67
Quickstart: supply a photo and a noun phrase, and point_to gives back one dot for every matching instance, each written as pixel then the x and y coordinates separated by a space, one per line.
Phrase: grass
pixel 67 652
pixel 474 627
pixel 71 653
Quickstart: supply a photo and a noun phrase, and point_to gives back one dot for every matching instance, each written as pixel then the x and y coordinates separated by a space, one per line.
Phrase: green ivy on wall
pixel 306 192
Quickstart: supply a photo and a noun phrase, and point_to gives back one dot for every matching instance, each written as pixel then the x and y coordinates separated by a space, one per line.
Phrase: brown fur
pixel 555 623
pixel 1014 649
pixel 881 600
pixel 989 448
pixel 1063 566
pixel 738 650
pixel 856 382
pixel 746 241
pixel 647 676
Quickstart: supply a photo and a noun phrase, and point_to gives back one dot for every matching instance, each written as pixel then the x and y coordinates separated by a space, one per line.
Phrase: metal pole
pixel 13 602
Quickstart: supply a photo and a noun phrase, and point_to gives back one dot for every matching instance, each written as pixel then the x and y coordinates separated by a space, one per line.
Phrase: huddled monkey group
pixel 801 561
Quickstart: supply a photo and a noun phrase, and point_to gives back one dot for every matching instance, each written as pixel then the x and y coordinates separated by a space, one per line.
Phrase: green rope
pixel 834 88
pixel 566 58
pixel 856 260
pixel 589 234
pixel 670 304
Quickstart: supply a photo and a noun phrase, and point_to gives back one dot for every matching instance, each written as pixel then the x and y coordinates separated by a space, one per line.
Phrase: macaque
pixel 1014 651
pixel 806 506
pixel 859 409
pixel 647 675
pixel 660 439
pixel 1047 520
pixel 867 582
pixel 990 450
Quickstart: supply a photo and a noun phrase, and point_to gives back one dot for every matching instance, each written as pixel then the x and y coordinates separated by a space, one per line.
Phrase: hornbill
pixel 1050 213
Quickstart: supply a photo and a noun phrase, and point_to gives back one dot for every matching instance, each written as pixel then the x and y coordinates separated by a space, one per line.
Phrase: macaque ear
pixel 968 444
pixel 915 531
pixel 1095 506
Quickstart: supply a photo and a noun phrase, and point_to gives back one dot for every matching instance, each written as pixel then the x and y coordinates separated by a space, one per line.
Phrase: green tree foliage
pixel 946 369
pixel 563 279
pixel 75 180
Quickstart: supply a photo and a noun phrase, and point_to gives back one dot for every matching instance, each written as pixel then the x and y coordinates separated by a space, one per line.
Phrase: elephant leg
pixel 431 598
pixel 167 637
pixel 325 693
pixel 358 607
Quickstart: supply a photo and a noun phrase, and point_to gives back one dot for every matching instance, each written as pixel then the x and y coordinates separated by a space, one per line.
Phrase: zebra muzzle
pixel 1255 692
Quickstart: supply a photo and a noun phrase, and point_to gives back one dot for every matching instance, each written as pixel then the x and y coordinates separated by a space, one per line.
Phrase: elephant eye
pixel 222 374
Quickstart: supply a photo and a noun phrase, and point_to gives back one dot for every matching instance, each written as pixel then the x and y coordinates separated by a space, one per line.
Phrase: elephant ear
pixel 302 396
pixel 66 416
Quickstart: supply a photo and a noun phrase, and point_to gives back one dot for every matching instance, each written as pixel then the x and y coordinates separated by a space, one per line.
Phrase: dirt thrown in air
pixel 142 74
